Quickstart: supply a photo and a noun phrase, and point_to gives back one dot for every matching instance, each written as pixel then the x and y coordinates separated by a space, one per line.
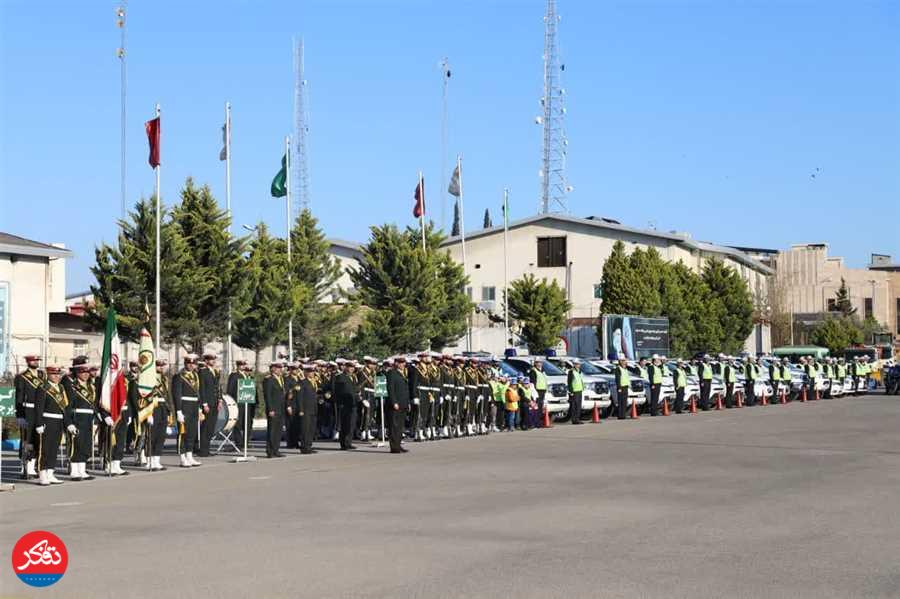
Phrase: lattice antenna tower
pixel 300 162
pixel 554 186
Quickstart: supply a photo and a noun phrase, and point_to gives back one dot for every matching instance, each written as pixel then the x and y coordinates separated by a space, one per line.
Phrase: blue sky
pixel 699 116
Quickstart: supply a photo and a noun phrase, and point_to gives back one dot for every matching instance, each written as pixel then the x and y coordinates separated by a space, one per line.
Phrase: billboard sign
pixel 634 337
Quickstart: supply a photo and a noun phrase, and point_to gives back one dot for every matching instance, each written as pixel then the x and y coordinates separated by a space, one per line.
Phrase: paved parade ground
pixel 801 500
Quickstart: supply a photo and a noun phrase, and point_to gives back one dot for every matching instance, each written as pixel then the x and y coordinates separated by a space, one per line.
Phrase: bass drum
pixel 228 415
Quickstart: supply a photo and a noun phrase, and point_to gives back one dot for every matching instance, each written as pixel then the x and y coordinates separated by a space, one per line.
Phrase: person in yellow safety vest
pixel 751 373
pixel 775 378
pixel 576 387
pixel 623 386
pixel 786 377
pixel 539 380
pixel 706 375
pixel 811 373
pixel 729 375
pixel 828 373
pixel 680 380
pixel 655 374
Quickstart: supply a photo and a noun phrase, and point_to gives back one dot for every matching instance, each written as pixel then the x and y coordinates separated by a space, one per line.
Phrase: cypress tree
pixel 540 309
pixel 488 223
pixel 735 303
pixel 455 231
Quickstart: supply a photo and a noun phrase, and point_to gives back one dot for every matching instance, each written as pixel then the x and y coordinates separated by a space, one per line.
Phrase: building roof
pixel 19 246
pixel 609 224
pixel 350 245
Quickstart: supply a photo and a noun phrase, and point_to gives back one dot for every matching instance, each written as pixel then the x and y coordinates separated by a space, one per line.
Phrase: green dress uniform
pixel 307 404
pixel 185 397
pixel 26 385
pixel 397 404
pixel 273 395
pixel 210 394
pixel 51 419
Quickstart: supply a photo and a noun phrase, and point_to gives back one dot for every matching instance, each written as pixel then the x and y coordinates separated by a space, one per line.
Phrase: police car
pixel 557 397
pixel 597 384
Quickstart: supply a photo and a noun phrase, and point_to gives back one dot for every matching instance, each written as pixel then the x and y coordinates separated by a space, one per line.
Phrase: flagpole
pixel 462 236
pixel 287 179
pixel 422 213
pixel 228 211
pixel 158 217
pixel 505 267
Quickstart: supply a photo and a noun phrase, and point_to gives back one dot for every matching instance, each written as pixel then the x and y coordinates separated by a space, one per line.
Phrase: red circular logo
pixel 40 558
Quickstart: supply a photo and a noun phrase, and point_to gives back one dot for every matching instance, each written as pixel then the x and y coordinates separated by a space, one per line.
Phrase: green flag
pixel 279 183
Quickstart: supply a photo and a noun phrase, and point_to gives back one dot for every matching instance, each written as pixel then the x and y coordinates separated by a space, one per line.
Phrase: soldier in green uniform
pixel 51 419
pixel 185 396
pixel 241 371
pixel 82 412
pixel 291 397
pixel 397 402
pixel 306 403
pixel 366 379
pixel 273 395
pixel 27 384
pixel 161 419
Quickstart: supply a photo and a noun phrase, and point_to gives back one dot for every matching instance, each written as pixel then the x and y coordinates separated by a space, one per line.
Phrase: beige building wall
pixel 813 277
pixel 27 279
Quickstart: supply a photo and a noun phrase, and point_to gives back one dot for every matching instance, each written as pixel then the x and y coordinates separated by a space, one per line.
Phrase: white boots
pixel 29 468
pixel 470 430
pixel 445 432
pixel 46 477
pixel 192 461
pixel 154 464
pixel 79 471
pixel 184 461
pixel 115 468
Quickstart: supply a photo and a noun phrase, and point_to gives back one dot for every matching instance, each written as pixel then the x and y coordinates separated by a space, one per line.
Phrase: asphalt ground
pixel 801 500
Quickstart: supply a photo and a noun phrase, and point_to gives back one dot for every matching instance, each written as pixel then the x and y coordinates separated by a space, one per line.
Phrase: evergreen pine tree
pixel 320 321
pixel 488 223
pixel 455 231
pixel 842 300
pixel 646 267
pixel 216 260
pixel 619 285
pixel 540 309
pixel 125 276
pixel 735 313
pixel 270 298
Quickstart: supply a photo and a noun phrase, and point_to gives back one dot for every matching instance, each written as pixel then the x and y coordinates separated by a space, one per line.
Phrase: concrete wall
pixel 812 277
pixel 27 278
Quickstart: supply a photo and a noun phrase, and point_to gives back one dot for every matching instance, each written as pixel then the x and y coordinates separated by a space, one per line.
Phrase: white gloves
pixel 150 420
pixel 168 431
pixel 446 398
pixel 365 403
pixel 127 422
pixel 108 420
pixel 180 415
pixel 39 430
pixel 415 401
pixel 71 428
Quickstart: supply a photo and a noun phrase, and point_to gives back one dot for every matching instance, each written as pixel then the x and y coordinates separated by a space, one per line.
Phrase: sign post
pixel 381 394
pixel 7 410
pixel 246 395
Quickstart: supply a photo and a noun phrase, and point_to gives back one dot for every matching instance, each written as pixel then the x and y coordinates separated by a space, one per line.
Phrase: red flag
pixel 152 127
pixel 419 208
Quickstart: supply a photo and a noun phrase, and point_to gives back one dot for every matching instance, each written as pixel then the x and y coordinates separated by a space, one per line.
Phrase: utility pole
pixel 554 186
pixel 120 22
pixel 301 130
pixel 445 79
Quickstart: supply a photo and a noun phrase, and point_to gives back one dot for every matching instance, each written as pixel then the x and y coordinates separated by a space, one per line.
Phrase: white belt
pixel 187 398
pixel 448 385
pixel 28 405
pixel 53 416
pixel 83 411
pixel 471 386
pixel 369 389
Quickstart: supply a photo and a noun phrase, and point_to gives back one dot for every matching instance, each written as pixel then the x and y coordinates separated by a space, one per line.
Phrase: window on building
pixel 469 293
pixel 868 307
pixel 79 347
pixel 598 291
pixel 488 294
pixel 551 251
pixel 832 304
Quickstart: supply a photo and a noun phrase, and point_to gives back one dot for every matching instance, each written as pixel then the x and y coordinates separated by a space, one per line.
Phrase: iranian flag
pixel 112 376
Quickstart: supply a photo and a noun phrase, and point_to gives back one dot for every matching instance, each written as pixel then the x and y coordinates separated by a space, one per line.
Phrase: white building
pixel 572 251
pixel 32 285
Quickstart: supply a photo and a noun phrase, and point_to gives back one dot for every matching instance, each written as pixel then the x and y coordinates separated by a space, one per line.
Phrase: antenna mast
pixel 554 186
pixel 120 22
pixel 300 171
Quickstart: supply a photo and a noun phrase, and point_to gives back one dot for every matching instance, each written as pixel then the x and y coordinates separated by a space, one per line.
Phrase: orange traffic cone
pixel 718 401
pixel 693 409
pixel 782 399
pixel 547 423
pixel 665 407
pixel 634 413
pixel 595 416
pixel 739 400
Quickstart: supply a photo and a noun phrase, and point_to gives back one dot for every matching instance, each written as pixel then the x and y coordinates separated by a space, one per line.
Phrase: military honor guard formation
pixel 426 397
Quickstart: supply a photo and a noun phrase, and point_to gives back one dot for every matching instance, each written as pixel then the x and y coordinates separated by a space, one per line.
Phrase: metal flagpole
pixel 422 214
pixel 287 155
pixel 158 217
pixel 505 267
pixel 462 236
pixel 228 356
